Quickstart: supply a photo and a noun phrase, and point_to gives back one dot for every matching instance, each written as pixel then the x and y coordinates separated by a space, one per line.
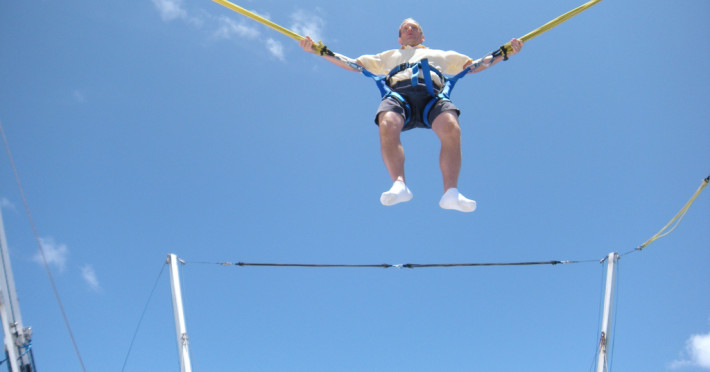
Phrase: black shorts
pixel 417 97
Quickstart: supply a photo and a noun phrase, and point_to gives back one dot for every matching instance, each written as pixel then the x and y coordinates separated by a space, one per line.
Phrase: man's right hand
pixel 307 44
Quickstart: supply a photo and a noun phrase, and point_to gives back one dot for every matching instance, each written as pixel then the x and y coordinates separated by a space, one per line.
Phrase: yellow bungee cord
pixel 318 47
pixel 553 23
pixel 673 223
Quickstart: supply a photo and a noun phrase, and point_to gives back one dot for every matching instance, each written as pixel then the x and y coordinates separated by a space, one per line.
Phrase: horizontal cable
pixel 387 266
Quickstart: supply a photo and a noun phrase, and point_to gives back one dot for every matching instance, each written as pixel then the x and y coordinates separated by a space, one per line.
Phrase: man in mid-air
pixel 404 112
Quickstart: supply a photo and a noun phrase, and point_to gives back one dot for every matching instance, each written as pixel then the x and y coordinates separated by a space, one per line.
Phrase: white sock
pixel 452 199
pixel 398 193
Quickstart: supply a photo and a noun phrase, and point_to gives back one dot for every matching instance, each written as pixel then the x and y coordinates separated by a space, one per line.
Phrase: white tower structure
pixel 17 338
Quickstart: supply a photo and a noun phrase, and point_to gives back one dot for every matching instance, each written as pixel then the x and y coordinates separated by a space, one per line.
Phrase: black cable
pixel 145 308
pixel 386 266
pixel 41 251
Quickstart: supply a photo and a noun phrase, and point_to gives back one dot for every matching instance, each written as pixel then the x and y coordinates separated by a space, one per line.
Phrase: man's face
pixel 410 34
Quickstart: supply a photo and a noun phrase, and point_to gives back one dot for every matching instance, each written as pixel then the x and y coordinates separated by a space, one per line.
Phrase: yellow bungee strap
pixel 676 220
pixel 318 47
pixel 506 48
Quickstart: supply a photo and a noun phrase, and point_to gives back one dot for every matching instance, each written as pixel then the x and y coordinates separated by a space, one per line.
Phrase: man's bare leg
pixel 390 127
pixel 446 127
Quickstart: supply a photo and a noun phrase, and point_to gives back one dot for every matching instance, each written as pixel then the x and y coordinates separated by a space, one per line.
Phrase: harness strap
pixel 415 74
pixel 386 91
pixel 444 94
pixel 426 69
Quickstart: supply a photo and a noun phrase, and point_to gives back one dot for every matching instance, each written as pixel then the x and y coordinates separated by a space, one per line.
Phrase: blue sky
pixel 145 128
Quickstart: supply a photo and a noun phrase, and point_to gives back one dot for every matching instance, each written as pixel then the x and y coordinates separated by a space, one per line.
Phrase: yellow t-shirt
pixel 448 62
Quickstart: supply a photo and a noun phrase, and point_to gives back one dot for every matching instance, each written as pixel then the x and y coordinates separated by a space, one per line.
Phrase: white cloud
pixel 170 9
pixel 89 275
pixel 276 48
pixel 55 254
pixel 229 28
pixel 5 203
pixel 697 353
pixel 78 96
pixel 173 9
pixel 306 24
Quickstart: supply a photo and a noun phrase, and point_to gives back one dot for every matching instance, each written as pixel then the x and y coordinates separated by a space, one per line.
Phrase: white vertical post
pixel 182 340
pixel 16 337
pixel 603 356
pixel 10 347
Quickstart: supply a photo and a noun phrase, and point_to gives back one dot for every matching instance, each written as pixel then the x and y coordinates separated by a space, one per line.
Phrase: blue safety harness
pixel 425 68
pixel 420 71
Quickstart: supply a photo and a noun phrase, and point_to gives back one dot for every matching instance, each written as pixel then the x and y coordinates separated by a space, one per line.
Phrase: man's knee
pixel 390 122
pixel 447 125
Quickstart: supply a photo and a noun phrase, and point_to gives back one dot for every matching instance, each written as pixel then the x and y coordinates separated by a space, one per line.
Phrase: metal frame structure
pixel 17 338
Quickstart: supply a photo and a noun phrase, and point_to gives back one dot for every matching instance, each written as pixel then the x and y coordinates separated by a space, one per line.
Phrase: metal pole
pixel 603 356
pixel 182 340
pixel 17 337
pixel 9 340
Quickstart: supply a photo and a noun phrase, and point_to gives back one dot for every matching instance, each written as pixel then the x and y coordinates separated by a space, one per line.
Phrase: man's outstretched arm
pixel 490 60
pixel 339 59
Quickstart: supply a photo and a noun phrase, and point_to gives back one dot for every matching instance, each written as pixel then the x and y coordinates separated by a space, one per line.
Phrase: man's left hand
pixel 516 45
